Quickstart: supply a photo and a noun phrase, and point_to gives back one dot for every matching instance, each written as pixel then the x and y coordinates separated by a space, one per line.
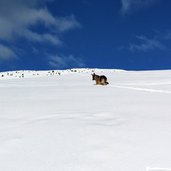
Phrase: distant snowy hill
pixel 31 73
pixel 59 120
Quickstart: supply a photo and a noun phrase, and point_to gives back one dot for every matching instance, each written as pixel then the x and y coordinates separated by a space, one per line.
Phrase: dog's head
pixel 93 76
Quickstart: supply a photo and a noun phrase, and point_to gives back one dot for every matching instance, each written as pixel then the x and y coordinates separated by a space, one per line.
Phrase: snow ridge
pixel 32 73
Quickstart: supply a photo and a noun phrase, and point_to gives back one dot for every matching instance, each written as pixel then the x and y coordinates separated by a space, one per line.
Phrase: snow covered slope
pixel 61 121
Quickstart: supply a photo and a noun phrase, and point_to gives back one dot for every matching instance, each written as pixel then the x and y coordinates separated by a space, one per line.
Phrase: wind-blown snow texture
pixel 61 121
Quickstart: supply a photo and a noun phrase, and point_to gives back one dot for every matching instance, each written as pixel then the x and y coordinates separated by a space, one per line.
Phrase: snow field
pixel 65 122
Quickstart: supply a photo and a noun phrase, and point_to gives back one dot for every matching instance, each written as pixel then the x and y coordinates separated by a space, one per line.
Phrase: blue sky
pixel 60 34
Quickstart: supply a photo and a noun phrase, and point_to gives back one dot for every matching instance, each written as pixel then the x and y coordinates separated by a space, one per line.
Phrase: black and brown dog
pixel 100 79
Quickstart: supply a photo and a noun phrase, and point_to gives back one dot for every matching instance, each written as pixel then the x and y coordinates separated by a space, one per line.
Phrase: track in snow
pixel 143 89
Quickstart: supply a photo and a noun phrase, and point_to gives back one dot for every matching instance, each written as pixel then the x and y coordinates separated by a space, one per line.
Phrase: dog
pixel 100 79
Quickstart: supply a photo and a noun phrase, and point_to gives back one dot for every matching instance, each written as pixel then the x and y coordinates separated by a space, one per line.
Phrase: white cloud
pixel 146 44
pixel 129 6
pixel 17 17
pixel 67 23
pixel 65 61
pixel 167 36
pixel 41 38
pixel 6 53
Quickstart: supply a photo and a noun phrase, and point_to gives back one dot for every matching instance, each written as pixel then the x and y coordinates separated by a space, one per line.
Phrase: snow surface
pixel 62 121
